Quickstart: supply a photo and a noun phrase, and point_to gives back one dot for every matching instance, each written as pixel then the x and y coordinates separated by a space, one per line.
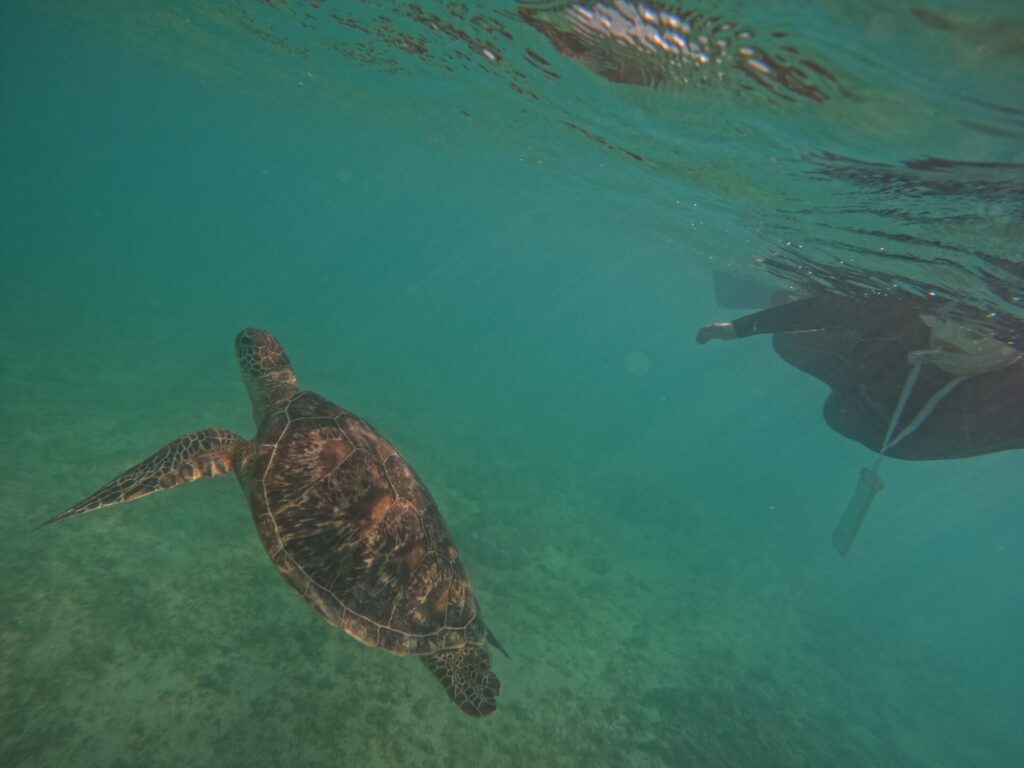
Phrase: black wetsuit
pixel 859 348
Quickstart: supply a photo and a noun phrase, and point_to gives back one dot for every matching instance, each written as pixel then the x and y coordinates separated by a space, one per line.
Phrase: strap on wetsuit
pixel 924 413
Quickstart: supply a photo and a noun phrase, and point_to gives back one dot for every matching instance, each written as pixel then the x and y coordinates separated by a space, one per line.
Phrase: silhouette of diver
pixel 944 390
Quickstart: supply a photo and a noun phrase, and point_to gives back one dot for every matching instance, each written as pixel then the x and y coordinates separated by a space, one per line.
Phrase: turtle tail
pixel 206 453
pixel 494 641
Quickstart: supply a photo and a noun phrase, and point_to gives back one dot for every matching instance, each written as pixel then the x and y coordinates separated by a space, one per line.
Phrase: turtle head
pixel 266 370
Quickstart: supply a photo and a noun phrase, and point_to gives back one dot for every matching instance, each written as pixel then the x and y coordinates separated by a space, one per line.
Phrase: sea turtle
pixel 344 518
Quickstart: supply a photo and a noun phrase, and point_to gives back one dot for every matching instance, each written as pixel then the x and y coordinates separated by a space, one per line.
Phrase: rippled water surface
pixel 490 229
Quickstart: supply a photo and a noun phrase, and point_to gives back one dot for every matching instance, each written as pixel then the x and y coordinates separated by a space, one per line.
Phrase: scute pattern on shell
pixel 354 531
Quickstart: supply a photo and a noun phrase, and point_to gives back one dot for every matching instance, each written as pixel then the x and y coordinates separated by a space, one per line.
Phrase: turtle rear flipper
pixel 466 674
pixel 206 453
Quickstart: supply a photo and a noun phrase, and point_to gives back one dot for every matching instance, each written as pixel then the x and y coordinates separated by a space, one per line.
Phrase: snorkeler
pixel 867 348
pixel 904 384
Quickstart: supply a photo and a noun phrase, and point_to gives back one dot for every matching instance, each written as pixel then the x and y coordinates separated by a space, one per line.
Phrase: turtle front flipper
pixel 206 453
pixel 466 674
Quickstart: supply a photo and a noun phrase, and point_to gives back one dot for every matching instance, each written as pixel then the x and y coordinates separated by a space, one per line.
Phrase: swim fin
pixel 868 486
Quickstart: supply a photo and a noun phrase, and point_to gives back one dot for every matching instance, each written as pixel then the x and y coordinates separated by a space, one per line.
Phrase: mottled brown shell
pixel 354 531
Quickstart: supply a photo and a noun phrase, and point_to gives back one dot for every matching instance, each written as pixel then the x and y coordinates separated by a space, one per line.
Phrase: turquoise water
pixel 501 265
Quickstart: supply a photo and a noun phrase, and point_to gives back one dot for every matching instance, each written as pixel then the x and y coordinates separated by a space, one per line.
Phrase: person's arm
pixel 827 313
pixel 802 315
pixel 723 331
